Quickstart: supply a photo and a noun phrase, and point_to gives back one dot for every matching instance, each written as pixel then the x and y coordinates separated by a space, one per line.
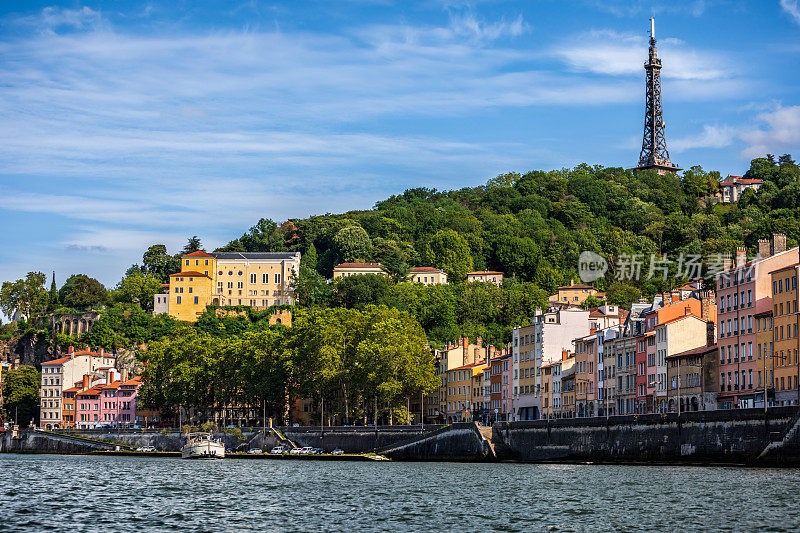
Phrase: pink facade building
pixel 109 404
pixel 127 397
pixel 87 408
pixel 743 291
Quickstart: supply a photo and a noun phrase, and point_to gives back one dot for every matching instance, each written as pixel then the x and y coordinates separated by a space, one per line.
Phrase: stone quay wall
pixel 744 436
pixel 353 439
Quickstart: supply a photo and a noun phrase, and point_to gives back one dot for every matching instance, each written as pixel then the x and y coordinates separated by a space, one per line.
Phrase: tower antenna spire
pixel 654 152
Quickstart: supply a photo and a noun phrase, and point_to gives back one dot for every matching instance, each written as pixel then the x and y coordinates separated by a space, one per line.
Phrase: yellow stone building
pixel 428 276
pixel 574 294
pixel 254 279
pixel 459 394
pixel 345 270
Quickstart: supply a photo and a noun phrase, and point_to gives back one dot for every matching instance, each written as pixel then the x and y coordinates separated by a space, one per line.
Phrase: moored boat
pixel 202 446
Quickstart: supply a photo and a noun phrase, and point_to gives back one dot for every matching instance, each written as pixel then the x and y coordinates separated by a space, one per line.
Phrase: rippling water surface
pixel 82 493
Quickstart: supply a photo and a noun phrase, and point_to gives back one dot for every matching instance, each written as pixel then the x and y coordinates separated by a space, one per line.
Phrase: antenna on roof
pixel 652 28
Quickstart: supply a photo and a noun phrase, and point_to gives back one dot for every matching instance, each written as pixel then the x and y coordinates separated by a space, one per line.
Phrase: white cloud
pixel 792 9
pixel 611 53
pixel 470 25
pixel 635 8
pixel 780 132
pixel 710 137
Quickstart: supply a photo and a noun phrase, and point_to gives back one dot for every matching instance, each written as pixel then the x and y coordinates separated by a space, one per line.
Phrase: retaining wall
pixel 727 436
pixel 353 439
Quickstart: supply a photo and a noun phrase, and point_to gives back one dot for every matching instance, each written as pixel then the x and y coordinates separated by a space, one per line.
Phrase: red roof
pixel 190 273
pixel 359 265
pixel 681 318
pixel 425 269
pixel 788 267
pixel 577 286
pixel 58 361
pixel 464 367
pixel 73 389
pixel 694 351
pixel 198 253
pixel 91 392
pixel 484 272
pixel 134 381
pixel 114 385
pixel 64 358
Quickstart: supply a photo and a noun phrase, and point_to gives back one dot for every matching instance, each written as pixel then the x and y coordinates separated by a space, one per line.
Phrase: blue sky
pixel 131 123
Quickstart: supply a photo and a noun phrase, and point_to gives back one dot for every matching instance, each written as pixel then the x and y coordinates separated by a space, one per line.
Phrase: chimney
pixel 572 281
pixel 71 350
pixel 726 262
pixel 102 352
pixel 778 243
pixel 741 256
pixel 763 248
pixel 687 311
pixel 710 333
pixel 707 299
pixel 479 342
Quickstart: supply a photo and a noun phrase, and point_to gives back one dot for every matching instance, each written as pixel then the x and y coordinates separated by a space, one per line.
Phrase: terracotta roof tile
pixel 358 265
pixel 190 273
pixel 198 253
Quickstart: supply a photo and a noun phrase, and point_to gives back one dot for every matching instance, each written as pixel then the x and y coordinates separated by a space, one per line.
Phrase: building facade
pixel 345 270
pixel 743 291
pixel 428 276
pixel 486 276
pixel 786 322
pixel 254 279
pixel 61 374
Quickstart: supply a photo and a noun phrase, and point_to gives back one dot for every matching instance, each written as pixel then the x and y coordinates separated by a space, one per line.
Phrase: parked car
pixel 278 449
pixel 306 450
pixel 147 449
pixel 296 451
pixel 317 451
pixel 338 451
pixel 255 451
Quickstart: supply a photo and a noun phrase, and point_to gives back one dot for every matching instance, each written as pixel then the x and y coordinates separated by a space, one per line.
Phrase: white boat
pixel 202 446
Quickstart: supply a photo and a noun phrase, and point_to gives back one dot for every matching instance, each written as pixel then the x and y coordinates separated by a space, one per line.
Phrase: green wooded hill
pixel 359 342
pixel 530 226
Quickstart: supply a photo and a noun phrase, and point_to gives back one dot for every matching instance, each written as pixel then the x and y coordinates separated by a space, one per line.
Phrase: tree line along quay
pixel 364 315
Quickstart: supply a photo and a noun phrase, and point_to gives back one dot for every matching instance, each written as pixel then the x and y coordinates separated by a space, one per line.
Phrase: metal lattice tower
pixel 654 144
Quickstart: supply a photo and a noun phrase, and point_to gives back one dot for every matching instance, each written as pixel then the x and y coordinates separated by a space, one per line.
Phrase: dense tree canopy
pixel 81 291
pixel 351 359
pixel 21 395
pixel 27 296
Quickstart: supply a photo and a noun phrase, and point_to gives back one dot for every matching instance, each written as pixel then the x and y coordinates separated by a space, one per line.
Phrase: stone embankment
pixel 354 439
pixel 39 441
pixel 742 436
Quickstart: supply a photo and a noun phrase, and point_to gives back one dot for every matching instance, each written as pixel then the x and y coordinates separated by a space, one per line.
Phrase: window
pixel 253 278
pixel 196 300
pixel 179 300
pixel 278 279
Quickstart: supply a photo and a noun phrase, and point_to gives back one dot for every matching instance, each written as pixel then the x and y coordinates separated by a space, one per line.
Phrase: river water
pixel 102 493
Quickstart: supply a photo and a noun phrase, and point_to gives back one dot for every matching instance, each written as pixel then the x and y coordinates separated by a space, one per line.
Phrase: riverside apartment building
pixel 61 374
pixel 743 291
